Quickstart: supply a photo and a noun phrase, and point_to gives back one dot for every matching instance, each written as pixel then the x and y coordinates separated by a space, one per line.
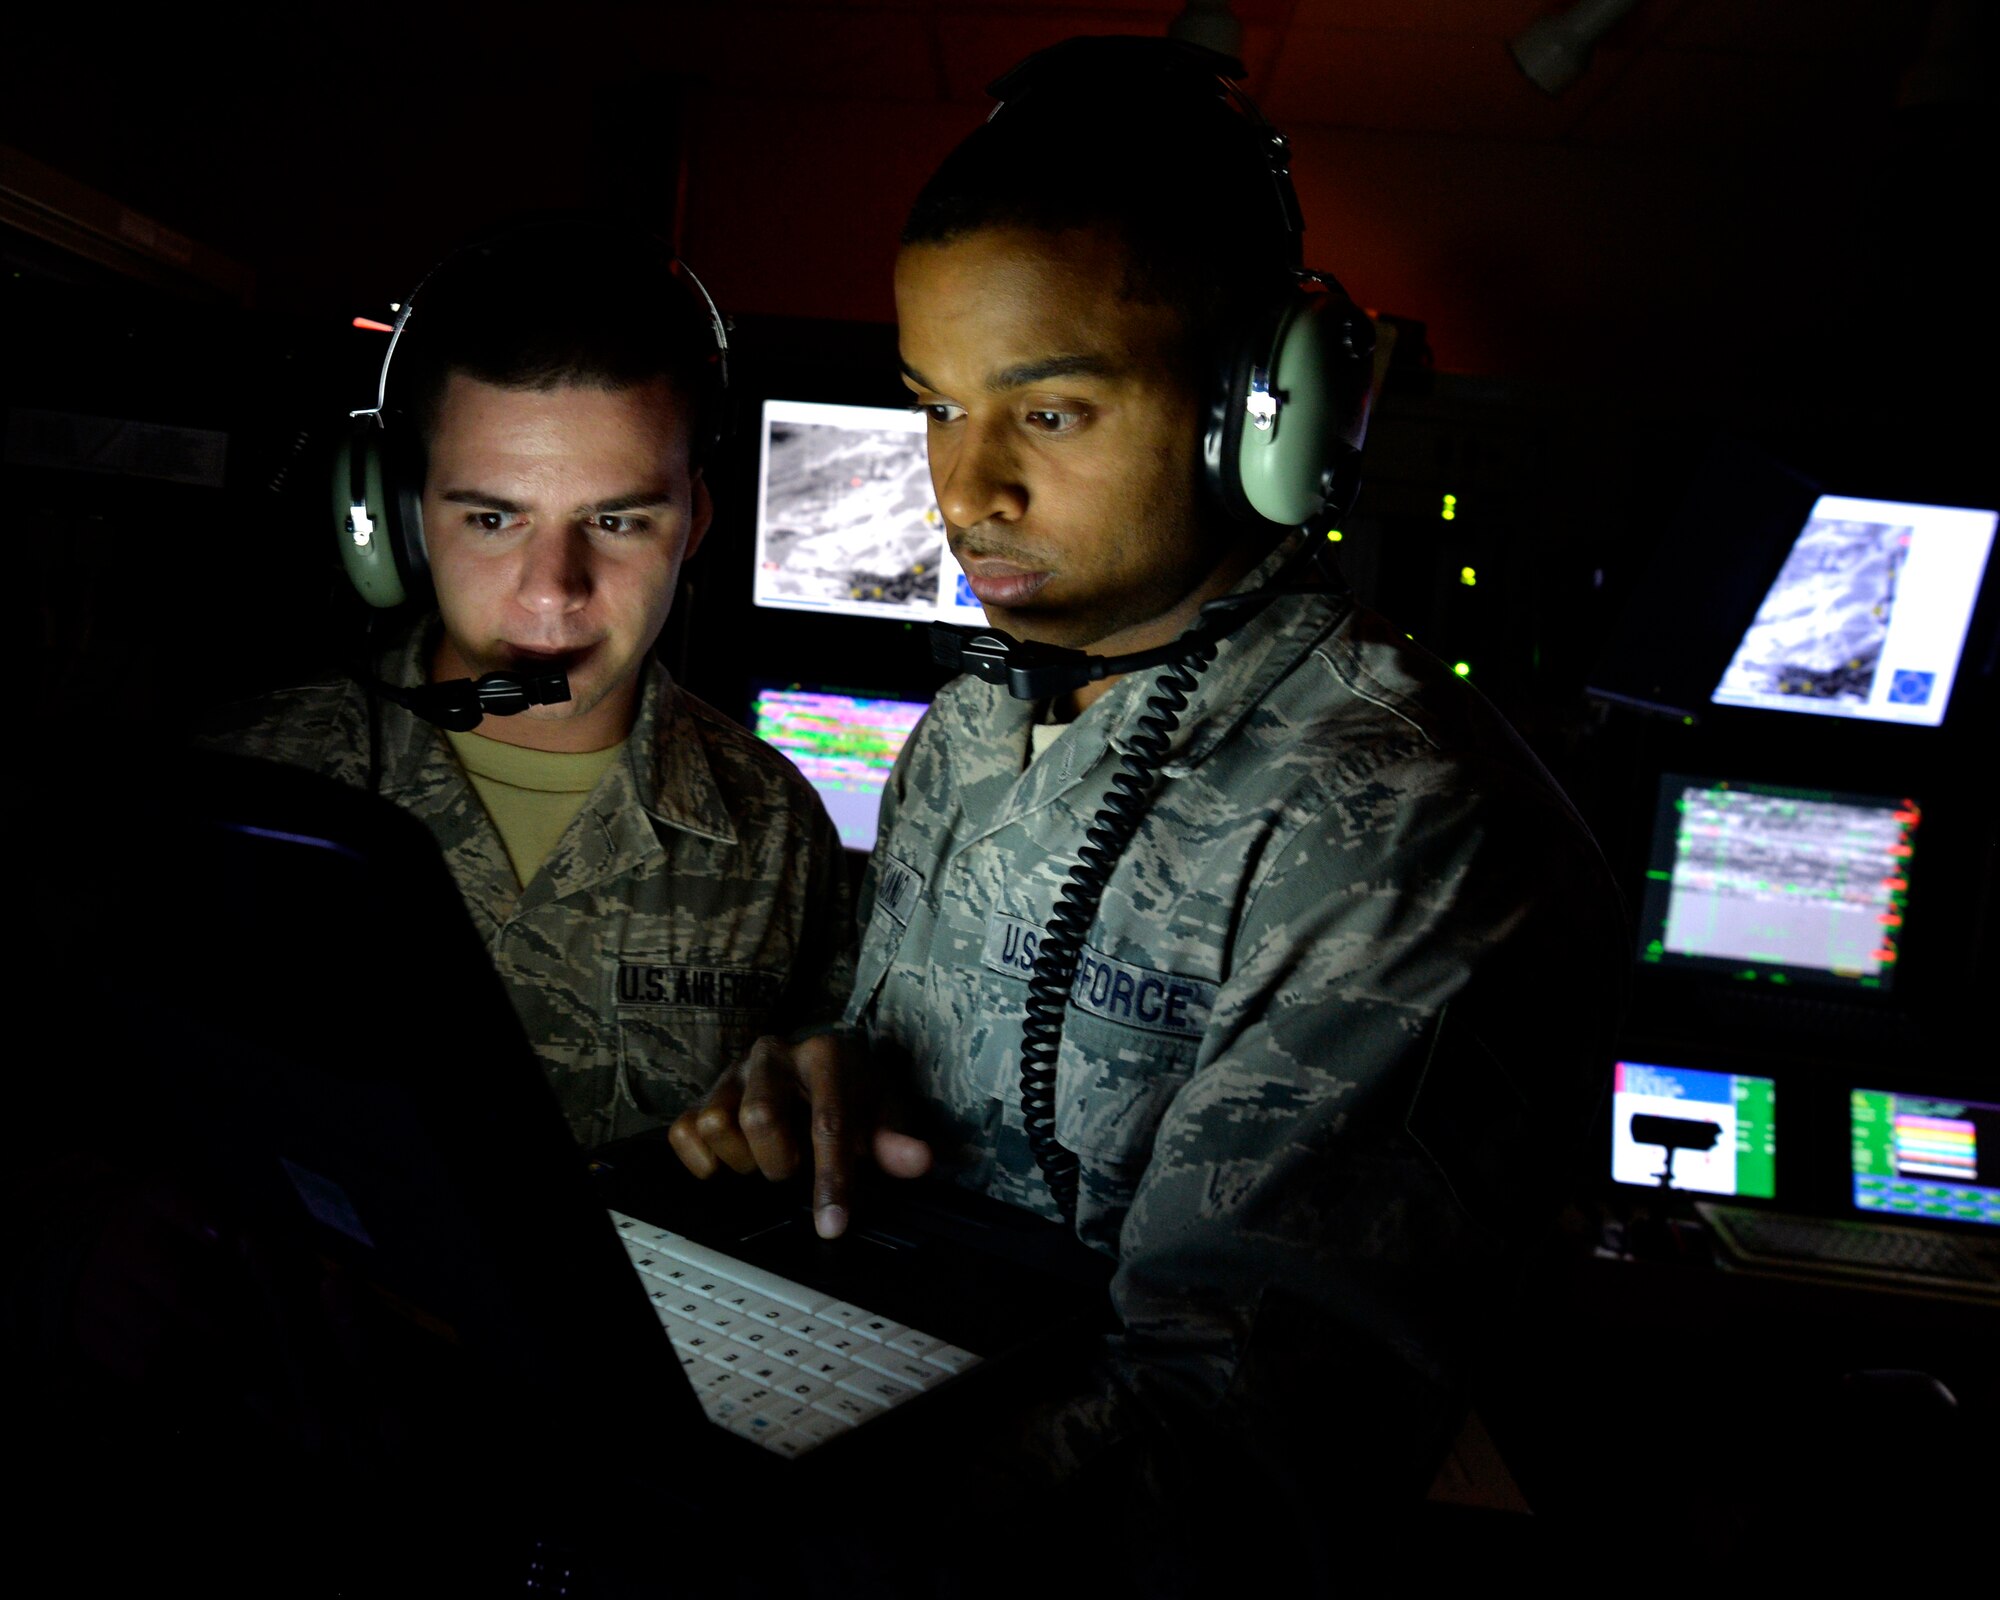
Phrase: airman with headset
pixel 657 887
pixel 1211 915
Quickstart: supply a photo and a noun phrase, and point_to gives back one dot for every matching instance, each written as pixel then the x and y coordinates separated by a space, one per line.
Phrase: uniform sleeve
pixel 1399 1064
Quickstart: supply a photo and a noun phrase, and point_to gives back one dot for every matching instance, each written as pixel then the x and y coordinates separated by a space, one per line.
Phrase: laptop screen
pixel 1704 1132
pixel 846 519
pixel 1754 881
pixel 1925 1156
pixel 845 745
pixel 1868 616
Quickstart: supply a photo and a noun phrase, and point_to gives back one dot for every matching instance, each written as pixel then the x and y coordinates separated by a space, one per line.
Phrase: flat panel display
pixel 845 745
pixel 1925 1156
pixel 846 520
pixel 1758 882
pixel 1867 618
pixel 1703 1132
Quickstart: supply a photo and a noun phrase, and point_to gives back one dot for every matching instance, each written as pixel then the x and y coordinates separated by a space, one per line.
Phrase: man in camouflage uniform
pixel 657 887
pixel 1332 1034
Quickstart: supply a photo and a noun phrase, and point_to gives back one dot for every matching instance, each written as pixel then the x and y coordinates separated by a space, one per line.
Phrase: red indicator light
pixel 1893 884
pixel 1889 919
pixel 373 326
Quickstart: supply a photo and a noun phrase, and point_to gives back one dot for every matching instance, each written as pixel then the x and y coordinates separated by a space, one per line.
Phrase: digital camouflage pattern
pixel 697 900
pixel 1340 1006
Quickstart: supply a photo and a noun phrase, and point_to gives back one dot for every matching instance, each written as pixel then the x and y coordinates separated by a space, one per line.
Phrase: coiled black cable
pixel 1061 945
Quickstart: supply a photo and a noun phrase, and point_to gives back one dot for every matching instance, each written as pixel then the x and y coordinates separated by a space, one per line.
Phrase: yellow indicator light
pixel 1468 577
pixel 1450 512
pixel 1334 535
pixel 1462 668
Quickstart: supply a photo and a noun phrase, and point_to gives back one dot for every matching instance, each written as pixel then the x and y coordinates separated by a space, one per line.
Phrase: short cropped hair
pixel 1181 183
pixel 551 304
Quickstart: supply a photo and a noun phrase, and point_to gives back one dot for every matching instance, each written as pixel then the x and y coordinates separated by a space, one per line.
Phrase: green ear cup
pixel 367 532
pixel 1318 379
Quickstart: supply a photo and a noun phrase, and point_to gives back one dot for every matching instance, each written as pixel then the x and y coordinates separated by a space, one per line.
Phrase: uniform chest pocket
pixel 1113 1086
pixel 680 1027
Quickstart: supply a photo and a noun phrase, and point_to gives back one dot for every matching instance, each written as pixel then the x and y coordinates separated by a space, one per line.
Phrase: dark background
pixel 1753 226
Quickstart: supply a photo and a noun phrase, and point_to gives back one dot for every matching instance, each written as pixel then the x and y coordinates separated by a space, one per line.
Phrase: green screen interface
pixel 1922 1156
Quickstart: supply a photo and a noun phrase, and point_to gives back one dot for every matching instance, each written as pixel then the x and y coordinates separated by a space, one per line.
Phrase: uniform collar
pixel 984 730
pixel 665 773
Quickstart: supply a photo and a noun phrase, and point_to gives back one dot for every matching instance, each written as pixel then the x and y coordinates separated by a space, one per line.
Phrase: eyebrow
pixel 1030 372
pixel 639 499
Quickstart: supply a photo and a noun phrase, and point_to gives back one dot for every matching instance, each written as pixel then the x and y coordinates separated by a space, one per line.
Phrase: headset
pixel 1287 416
pixel 1288 409
pixel 378 464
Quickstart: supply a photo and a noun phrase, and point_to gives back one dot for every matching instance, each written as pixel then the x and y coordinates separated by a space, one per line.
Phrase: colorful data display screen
pixel 845 745
pixel 847 521
pixel 1868 616
pixel 1922 1156
pixel 1756 882
pixel 1705 1132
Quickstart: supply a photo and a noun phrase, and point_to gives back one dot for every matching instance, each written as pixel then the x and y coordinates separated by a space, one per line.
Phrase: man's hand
pixel 750 1121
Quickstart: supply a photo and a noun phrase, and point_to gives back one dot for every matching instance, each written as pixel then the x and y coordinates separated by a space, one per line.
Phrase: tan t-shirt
pixel 531 795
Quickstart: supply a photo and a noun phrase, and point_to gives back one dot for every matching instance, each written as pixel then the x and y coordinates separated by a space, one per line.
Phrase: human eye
pixel 619 525
pixel 490 522
pixel 1053 419
pixel 939 412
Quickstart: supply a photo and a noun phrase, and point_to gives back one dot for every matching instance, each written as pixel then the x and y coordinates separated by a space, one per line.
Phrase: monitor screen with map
pixel 1756 882
pixel 846 520
pixel 1868 616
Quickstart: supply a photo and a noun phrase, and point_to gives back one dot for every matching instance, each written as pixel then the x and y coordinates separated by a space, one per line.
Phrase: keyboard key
pixel 913 1343
pixel 841 1343
pixel 852 1407
pixel 874 1386
pixel 790 1350
pixel 951 1358
pixel 843 1315
pixel 880 1329
pixel 743 1275
pixel 906 1369
pixel 758 1425
pixel 817 1427
pixel 828 1369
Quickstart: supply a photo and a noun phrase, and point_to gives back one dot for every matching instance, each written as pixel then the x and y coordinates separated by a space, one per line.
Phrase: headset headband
pixel 718 327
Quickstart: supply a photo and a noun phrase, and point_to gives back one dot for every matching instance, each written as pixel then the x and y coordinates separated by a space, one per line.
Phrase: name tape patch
pixel 900 888
pixel 1118 991
pixel 697 988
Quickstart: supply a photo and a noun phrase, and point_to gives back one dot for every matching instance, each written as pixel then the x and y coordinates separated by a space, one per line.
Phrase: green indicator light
pixel 1655 872
pixel 1468 577
pixel 1462 668
pixel 1687 722
pixel 1450 512
pixel 1334 535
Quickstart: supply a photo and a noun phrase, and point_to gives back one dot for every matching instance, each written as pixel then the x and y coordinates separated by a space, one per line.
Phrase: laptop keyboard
pixel 772 1360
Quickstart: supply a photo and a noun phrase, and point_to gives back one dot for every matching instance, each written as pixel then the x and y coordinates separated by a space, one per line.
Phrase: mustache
pixel 983 547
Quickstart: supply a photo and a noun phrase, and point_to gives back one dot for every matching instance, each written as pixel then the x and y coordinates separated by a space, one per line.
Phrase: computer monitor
pixel 1868 616
pixel 845 744
pixel 1925 1156
pixel 846 520
pixel 1688 1129
pixel 1759 882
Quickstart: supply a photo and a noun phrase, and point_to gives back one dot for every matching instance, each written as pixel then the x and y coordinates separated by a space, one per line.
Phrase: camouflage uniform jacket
pixel 697 900
pixel 1345 965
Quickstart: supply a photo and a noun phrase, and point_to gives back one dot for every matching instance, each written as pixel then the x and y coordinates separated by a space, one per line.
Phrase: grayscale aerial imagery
pixel 848 516
pixel 1820 631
